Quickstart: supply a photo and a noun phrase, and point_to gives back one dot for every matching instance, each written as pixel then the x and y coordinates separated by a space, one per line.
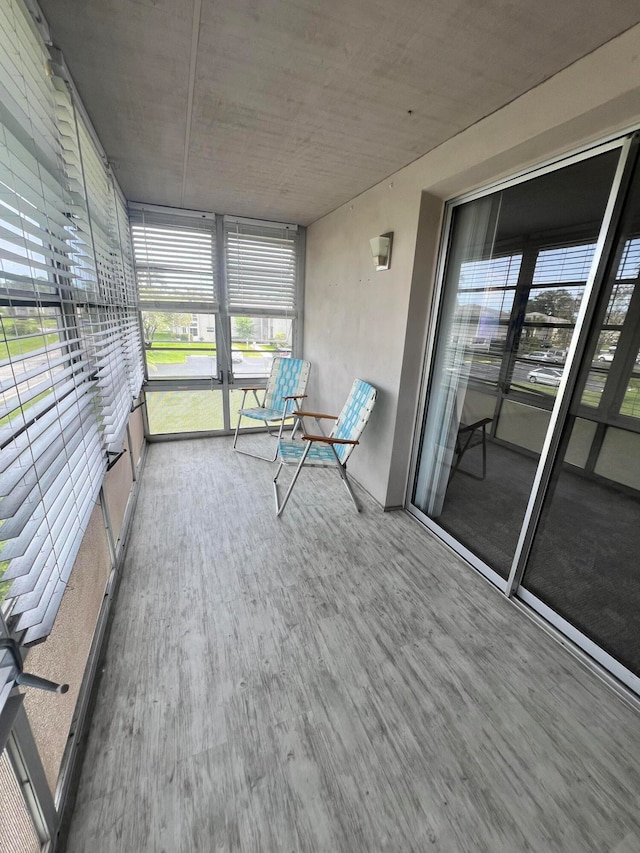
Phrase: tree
pixel 554 303
pixel 162 321
pixel 244 328
pixel 150 323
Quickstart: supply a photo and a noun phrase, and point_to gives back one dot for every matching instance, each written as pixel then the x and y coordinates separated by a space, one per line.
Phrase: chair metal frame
pixel 326 451
pixel 273 415
pixel 464 439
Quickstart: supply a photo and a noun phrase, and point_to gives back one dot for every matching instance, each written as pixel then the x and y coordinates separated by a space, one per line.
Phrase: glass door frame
pixel 576 351
pixel 629 147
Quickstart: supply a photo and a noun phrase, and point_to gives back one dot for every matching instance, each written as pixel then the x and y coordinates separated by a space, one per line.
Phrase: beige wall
pixel 119 481
pixel 372 325
pixel 355 317
pixel 136 431
pixel 619 458
pixel 580 442
pixel 477 406
pixel 522 425
pixel 63 657
pixel 117 487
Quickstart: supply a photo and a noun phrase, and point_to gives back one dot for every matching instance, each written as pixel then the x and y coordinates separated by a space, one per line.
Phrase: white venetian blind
pixel 564 265
pixel 69 332
pixel 126 262
pixel 101 206
pixel 79 237
pixel 261 267
pixel 25 89
pixel 175 259
pixel 108 324
pixel 51 460
pixel 130 325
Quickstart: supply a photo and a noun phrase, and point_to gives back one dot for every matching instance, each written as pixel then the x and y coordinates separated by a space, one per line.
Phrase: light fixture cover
pixel 381 250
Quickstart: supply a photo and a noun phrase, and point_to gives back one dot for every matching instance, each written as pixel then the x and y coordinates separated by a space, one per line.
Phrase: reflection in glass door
pixel 528 460
pixel 584 562
pixel 517 265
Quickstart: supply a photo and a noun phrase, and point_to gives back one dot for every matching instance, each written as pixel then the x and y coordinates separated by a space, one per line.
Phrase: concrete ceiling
pixel 285 109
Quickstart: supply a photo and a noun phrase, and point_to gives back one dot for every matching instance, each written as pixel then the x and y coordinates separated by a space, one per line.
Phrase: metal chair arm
pixel 475 425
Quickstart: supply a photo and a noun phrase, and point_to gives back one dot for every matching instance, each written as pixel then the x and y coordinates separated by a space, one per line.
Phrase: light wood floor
pixel 334 682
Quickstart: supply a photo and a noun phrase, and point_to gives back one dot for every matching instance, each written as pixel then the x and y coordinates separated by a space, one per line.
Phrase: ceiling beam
pixel 195 34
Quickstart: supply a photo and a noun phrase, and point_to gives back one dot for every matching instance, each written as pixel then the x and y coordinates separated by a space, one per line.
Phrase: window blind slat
pixel 16 483
pixel 261 268
pixel 65 256
pixel 175 260
pixel 40 430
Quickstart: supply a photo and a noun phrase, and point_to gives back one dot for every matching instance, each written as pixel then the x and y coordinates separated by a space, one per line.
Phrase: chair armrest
pixel 259 388
pixel 476 425
pixel 295 397
pixel 326 439
pixel 314 415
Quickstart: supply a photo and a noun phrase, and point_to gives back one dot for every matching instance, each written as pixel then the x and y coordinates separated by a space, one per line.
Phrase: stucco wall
pixel 63 657
pixel 355 317
pixel 136 431
pixel 372 325
pixel 117 486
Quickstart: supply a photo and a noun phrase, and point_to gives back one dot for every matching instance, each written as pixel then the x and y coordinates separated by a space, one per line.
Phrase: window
pixel 175 264
pixel 70 352
pixel 205 332
pixel 175 261
pixel 483 312
pixel 174 348
pixel 261 262
pixel 261 267
pixel 256 340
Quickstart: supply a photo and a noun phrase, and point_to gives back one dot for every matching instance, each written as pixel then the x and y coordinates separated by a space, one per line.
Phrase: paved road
pixel 489 371
pixel 206 366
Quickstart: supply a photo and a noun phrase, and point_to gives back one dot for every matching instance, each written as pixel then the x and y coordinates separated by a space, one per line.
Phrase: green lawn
pixel 189 411
pixel 630 404
pixel 176 352
pixel 196 345
pixel 25 407
pixel 168 357
pixel 12 348
pixel 4 587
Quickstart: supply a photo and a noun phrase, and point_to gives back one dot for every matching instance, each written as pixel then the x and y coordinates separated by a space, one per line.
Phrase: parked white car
pixel 606 356
pixel 545 376
pixel 556 356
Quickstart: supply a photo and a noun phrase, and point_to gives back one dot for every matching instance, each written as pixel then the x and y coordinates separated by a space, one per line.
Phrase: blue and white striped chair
pixel 328 451
pixel 287 382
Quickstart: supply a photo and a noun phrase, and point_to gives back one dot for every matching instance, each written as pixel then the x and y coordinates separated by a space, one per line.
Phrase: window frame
pixel 225 379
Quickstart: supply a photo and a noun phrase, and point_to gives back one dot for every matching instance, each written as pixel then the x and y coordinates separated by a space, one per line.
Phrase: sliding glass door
pixel 516 269
pixel 534 357
pixel 584 558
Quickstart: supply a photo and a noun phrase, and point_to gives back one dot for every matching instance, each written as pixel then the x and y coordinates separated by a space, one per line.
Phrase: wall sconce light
pixel 381 250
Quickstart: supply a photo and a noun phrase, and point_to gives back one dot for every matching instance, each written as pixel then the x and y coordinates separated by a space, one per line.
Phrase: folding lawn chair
pixel 287 382
pixel 328 451
pixel 468 436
